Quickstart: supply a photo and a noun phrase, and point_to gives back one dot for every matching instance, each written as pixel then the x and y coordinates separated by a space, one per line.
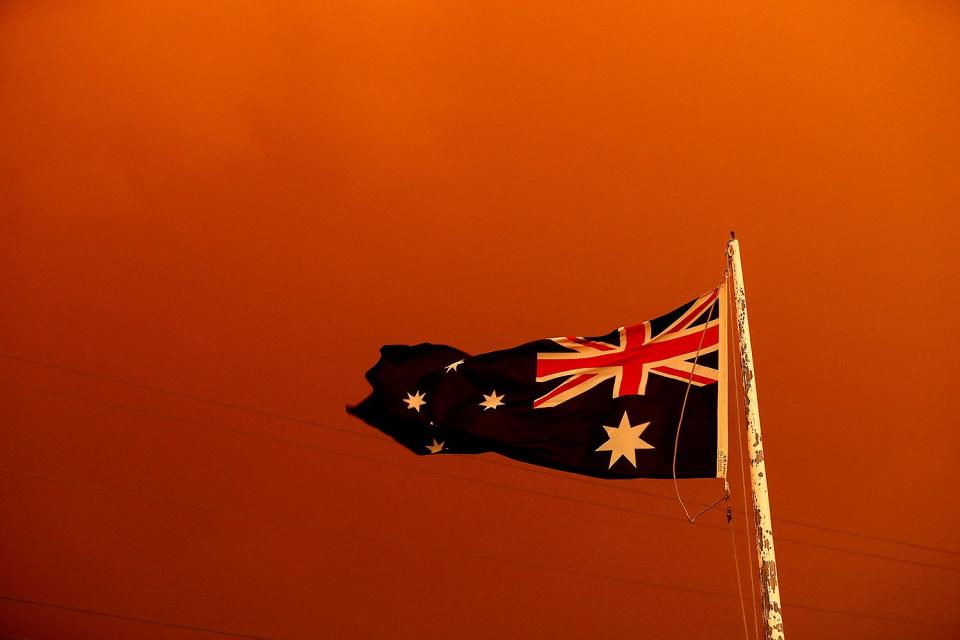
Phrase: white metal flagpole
pixel 769 586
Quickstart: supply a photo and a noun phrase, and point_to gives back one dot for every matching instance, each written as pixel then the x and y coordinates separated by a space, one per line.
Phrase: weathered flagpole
pixel 769 587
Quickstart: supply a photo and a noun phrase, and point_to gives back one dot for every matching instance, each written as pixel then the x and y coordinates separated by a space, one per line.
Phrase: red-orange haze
pixel 240 202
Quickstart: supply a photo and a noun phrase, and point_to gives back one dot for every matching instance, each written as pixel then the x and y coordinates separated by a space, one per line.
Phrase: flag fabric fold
pixel 606 406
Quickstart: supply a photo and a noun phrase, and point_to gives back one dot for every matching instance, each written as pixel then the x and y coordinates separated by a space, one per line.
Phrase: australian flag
pixel 607 406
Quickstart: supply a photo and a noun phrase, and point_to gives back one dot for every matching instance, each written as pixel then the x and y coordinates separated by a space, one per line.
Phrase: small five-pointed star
pixel 436 447
pixel 453 366
pixel 492 401
pixel 624 440
pixel 415 401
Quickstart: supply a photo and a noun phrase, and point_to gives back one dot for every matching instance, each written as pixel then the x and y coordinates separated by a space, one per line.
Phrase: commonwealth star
pixel 624 441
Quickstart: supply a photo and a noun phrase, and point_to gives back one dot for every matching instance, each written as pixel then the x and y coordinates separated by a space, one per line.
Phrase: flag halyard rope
pixel 683 407
pixel 736 564
pixel 726 485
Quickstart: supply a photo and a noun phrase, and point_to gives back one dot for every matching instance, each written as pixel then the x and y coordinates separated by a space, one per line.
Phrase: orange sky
pixel 241 202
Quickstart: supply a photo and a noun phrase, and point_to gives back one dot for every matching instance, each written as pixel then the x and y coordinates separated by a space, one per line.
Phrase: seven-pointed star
pixel 492 401
pixel 453 366
pixel 436 447
pixel 624 440
pixel 415 401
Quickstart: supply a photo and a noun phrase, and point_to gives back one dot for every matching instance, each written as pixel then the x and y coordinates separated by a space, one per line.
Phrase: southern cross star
pixel 624 441
pixel 415 401
pixel 453 366
pixel 436 447
pixel 492 401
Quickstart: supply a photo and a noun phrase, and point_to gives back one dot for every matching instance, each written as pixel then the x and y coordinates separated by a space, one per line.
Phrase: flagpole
pixel 767 561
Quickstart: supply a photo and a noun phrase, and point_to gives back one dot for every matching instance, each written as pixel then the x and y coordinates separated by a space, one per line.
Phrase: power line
pixel 324 450
pixel 458 552
pixel 614 486
pixel 434 472
pixel 109 614
pixel 187 396
pixel 312 423
pixel 377 436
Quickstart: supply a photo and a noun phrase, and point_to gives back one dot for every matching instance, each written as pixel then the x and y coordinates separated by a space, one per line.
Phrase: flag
pixel 606 406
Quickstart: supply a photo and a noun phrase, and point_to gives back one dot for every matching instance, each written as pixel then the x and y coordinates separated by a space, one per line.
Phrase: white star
pixel 492 401
pixel 453 366
pixel 415 401
pixel 436 447
pixel 624 440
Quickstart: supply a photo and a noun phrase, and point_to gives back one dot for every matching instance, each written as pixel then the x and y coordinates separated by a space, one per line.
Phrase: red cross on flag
pixel 638 353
